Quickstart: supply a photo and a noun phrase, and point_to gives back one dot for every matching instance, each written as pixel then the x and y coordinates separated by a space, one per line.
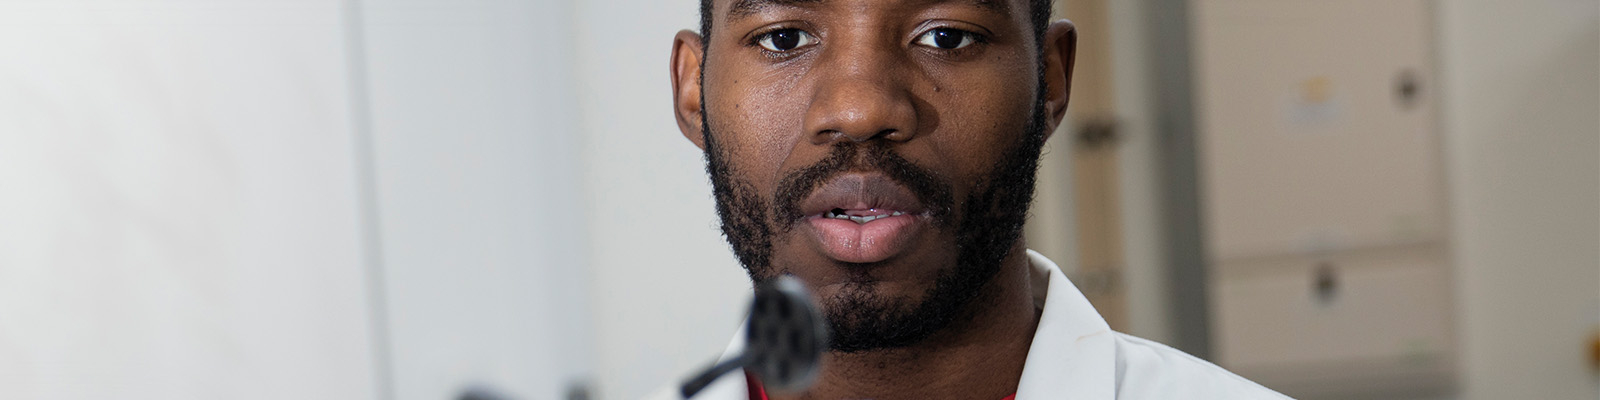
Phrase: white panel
pixel 178 213
pixel 668 293
pixel 482 220
pixel 1522 118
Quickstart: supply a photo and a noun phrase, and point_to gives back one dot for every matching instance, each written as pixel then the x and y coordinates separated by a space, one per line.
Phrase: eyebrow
pixel 744 8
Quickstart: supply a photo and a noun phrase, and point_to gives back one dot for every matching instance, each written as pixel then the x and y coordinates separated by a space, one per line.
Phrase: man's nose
pixel 860 96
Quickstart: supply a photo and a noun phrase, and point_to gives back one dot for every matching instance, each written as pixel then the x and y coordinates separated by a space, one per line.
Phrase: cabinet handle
pixel 1325 283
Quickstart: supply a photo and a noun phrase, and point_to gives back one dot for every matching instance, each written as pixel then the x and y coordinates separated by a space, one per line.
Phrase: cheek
pixel 981 121
pixel 993 94
pixel 758 125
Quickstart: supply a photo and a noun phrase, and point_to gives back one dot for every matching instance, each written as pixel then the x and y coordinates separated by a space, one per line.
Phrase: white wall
pixel 480 201
pixel 178 207
pixel 186 194
pixel 667 292
pixel 1522 130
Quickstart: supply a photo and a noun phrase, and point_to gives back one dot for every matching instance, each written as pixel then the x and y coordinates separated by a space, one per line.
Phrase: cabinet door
pixel 1316 125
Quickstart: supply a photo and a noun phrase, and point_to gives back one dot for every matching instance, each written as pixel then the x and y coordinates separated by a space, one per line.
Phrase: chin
pixel 906 276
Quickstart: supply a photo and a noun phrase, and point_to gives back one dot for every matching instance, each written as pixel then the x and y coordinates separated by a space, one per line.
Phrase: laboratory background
pixel 452 199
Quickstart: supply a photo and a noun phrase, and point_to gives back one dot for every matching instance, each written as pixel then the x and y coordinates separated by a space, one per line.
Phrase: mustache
pixel 931 190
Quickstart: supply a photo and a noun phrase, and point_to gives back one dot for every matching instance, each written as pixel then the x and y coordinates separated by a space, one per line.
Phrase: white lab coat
pixel 1075 355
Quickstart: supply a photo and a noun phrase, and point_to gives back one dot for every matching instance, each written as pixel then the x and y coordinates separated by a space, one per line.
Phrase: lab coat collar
pixel 1073 355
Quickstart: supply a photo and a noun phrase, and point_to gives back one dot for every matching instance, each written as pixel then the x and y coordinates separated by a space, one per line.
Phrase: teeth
pixel 836 214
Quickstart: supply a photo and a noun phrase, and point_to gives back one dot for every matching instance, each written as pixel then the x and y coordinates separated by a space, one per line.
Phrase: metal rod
pixel 700 382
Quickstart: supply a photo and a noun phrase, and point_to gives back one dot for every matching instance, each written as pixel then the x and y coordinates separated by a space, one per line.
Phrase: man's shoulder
pixel 1150 370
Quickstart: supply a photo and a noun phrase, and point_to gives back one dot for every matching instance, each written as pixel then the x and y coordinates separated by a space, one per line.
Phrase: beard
pixel 859 317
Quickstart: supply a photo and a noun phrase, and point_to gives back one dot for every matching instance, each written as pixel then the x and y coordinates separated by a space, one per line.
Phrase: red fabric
pixel 756 391
pixel 759 393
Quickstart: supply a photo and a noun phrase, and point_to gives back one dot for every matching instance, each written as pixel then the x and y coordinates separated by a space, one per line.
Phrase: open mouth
pixel 860 216
pixel 863 218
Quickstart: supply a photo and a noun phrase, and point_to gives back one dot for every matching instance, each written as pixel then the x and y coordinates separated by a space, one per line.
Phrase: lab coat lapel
pixel 1073 355
pixel 731 386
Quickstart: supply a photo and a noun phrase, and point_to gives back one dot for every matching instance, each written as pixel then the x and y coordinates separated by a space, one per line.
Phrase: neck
pixel 979 357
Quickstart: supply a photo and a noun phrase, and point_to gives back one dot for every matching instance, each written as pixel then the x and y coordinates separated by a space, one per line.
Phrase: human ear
pixel 687 50
pixel 1060 48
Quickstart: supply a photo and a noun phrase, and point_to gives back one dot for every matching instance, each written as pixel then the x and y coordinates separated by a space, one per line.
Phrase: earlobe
pixel 685 68
pixel 1061 45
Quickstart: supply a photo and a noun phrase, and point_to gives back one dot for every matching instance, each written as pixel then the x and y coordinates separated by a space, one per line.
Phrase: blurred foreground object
pixel 784 341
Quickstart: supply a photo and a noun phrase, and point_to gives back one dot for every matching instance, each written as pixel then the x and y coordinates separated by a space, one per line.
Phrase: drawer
pixel 1368 321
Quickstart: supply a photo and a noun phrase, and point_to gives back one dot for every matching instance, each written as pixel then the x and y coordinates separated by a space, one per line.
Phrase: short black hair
pixel 1039 10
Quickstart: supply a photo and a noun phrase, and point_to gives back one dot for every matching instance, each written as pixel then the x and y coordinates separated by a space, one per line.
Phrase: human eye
pixel 948 38
pixel 784 40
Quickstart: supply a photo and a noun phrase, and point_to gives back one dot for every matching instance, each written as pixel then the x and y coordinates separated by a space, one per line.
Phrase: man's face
pixel 881 151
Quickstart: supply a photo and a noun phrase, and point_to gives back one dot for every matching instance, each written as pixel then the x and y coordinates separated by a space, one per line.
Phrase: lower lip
pixel 874 241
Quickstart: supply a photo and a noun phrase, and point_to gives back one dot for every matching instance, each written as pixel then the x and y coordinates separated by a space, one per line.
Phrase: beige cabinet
pixel 1322 195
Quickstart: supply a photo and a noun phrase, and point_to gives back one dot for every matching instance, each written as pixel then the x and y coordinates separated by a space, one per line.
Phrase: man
pixel 884 152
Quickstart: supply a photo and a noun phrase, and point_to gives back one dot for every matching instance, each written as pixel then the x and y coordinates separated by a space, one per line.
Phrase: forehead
pixel 733 10
pixel 739 8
